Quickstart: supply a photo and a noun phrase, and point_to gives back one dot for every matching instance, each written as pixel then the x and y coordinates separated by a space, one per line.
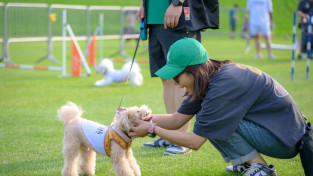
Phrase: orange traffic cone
pixel 76 66
pixel 92 51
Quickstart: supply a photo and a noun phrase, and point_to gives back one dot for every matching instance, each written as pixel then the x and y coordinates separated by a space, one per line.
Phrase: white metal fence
pixel 26 22
pixel 21 22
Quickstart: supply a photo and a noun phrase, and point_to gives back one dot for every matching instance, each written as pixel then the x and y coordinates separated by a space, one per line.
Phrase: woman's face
pixel 185 80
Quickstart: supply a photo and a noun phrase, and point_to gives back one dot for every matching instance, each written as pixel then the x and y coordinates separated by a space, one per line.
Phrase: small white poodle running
pixel 84 138
pixel 106 68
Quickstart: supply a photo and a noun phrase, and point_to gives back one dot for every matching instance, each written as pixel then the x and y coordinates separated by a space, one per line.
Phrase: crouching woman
pixel 241 110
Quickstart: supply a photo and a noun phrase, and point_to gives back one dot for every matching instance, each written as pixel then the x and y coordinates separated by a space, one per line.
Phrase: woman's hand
pixel 139 129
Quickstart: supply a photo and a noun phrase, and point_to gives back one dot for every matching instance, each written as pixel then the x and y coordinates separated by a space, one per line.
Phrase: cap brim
pixel 169 72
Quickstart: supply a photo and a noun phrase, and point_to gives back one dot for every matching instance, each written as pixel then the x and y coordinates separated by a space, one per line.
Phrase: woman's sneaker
pixel 175 149
pixel 257 169
pixel 157 143
pixel 238 168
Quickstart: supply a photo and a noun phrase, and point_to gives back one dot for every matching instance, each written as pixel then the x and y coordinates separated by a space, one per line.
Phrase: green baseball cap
pixel 182 53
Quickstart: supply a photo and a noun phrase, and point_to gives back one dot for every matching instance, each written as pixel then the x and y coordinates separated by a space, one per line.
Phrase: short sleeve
pixel 190 108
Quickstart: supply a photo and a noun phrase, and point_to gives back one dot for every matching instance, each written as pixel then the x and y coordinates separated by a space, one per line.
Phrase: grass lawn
pixel 31 136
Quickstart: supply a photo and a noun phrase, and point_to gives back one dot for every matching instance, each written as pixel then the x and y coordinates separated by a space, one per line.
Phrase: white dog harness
pixel 99 136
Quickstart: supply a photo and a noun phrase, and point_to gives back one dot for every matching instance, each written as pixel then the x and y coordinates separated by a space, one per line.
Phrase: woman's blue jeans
pixel 248 141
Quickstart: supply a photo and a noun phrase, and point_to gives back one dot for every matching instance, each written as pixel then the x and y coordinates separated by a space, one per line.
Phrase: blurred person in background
pixel 246 33
pixel 261 19
pixel 305 7
pixel 233 20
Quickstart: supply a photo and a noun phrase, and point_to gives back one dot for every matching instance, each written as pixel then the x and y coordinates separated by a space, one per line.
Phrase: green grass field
pixel 31 136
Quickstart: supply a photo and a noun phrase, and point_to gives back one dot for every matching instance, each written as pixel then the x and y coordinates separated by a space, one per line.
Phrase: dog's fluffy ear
pixel 123 119
pixel 101 69
pixel 122 122
pixel 105 66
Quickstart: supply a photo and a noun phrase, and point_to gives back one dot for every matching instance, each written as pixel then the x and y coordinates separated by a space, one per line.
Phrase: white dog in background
pixel 106 68
pixel 84 138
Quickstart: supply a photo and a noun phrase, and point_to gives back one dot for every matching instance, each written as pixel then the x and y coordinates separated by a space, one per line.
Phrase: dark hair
pixel 202 74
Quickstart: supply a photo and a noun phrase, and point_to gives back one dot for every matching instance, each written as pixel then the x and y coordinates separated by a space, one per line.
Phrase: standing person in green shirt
pixel 169 21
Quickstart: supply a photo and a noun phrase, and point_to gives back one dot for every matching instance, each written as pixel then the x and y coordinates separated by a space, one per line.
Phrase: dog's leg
pixel 119 161
pixel 133 162
pixel 71 157
pixel 87 161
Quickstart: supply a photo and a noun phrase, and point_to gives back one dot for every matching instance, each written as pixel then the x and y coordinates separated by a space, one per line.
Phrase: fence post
pixel 88 27
pixel 101 37
pixel 64 43
pixel 5 49
pixel 49 54
pixel 308 48
pixel 293 46
pixel 122 38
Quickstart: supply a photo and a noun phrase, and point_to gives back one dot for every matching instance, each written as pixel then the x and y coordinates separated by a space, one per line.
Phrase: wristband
pixel 151 130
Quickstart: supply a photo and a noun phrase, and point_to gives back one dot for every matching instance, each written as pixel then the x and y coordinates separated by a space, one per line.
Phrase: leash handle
pixel 143 29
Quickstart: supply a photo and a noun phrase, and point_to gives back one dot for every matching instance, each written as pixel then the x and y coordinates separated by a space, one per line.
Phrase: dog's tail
pixel 70 113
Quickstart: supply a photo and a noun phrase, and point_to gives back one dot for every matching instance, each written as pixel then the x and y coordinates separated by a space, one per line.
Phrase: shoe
pixel 157 143
pixel 257 169
pixel 175 149
pixel 271 57
pixel 257 56
pixel 238 168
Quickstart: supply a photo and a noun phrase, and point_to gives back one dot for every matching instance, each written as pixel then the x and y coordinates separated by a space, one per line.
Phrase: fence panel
pixel 111 19
pixel 31 22
pixel 26 20
pixel 76 17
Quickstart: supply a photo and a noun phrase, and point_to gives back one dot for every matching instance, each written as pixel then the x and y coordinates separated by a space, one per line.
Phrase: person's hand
pixel 141 13
pixel 172 16
pixel 139 129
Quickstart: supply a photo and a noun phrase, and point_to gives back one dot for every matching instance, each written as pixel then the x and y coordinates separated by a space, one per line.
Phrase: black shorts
pixel 160 40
